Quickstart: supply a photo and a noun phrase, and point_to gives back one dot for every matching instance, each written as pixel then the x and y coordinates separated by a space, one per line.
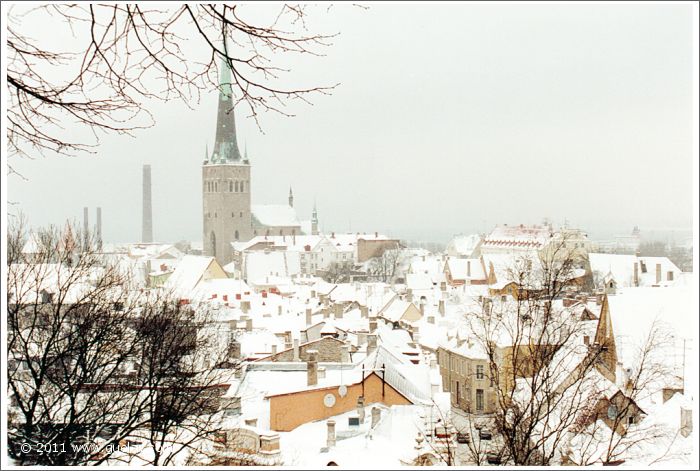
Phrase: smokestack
pixel 86 229
pixel 98 229
pixel 147 221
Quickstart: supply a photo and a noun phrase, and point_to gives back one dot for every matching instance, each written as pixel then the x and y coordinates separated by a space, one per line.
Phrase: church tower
pixel 314 221
pixel 225 182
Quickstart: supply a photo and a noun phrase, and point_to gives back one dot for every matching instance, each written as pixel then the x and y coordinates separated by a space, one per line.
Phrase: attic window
pixel 612 411
pixel 644 266
pixel 669 276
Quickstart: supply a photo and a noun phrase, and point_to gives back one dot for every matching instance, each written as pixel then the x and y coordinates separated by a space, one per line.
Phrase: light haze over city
pixel 447 120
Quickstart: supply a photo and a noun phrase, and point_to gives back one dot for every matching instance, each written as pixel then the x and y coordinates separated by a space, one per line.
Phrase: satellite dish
pixel 342 390
pixel 329 400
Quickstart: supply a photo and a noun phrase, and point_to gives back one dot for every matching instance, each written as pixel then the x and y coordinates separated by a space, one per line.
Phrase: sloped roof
pixel 464 245
pixel 275 215
pixel 188 273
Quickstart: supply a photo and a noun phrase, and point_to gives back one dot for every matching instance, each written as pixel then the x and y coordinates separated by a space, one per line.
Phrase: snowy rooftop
pixel 275 215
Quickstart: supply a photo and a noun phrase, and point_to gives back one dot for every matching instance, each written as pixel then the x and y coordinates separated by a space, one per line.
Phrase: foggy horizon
pixel 448 120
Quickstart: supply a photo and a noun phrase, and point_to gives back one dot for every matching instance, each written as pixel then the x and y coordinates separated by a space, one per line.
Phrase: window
pixel 479 400
pixel 235 235
pixel 230 186
pixel 612 412
pixel 233 215
pixel 479 371
pixel 214 213
pixel 236 186
pixel 503 298
pixel 242 186
pixel 669 276
pixel 630 420
pixel 241 215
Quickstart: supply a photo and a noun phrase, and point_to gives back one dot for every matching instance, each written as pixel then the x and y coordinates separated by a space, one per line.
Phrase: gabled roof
pixel 188 274
pixel 275 215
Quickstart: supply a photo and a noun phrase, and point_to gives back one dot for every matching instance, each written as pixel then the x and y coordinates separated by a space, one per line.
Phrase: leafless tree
pixel 609 431
pixel 385 267
pixel 537 357
pixel 94 363
pixel 339 272
pixel 123 55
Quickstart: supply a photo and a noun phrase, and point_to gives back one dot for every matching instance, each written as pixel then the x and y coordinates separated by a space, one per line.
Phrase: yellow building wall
pixel 288 411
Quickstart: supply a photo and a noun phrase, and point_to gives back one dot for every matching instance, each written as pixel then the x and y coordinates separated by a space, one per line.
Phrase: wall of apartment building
pixel 463 377
pixel 288 411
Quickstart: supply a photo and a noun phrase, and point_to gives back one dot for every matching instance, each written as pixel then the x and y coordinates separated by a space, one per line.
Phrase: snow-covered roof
pixel 518 236
pixel 465 268
pixel 418 281
pixel 634 311
pixel 462 245
pixel 260 266
pixel 188 274
pixel 395 310
pixel 275 215
pixel 622 268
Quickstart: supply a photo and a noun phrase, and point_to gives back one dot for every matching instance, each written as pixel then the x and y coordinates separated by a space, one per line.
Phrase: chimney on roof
pixel 658 273
pixel 361 409
pixel 376 416
pixel 338 311
pixel 312 368
pixel 330 439
pixel 371 343
pixel 363 312
pixel 372 324
pixel 361 338
pixel 415 335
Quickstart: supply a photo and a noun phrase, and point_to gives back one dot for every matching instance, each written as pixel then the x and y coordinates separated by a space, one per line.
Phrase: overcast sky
pixel 449 119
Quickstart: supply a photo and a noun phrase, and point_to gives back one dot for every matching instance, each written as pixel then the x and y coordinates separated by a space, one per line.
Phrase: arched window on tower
pixel 230 186
pixel 242 187
pixel 235 235
pixel 236 186
pixel 216 186
pixel 212 241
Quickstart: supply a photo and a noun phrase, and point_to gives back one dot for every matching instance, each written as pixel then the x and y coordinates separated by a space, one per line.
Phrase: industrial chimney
pixel 86 229
pixel 98 228
pixel 147 222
